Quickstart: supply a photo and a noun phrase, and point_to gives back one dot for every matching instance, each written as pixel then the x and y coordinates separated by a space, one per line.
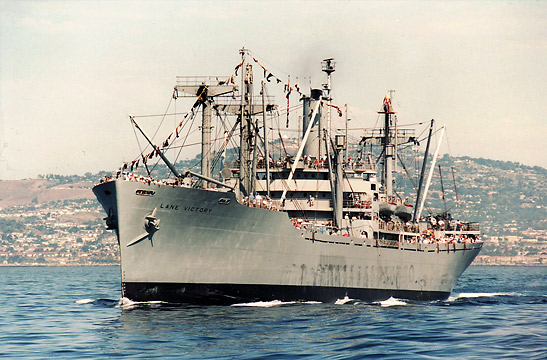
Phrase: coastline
pixel 55 265
pixel 518 260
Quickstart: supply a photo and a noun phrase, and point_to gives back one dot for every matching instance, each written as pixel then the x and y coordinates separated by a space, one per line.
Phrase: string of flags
pixel 287 86
pixel 268 75
pixel 157 150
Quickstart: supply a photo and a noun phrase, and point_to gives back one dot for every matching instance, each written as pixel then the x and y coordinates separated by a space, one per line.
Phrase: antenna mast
pixel 328 68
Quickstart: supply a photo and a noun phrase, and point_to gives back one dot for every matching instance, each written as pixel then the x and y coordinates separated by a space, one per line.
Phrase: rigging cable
pixel 452 170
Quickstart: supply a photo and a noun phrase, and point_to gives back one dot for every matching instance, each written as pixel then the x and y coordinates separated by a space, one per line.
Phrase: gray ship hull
pixel 211 249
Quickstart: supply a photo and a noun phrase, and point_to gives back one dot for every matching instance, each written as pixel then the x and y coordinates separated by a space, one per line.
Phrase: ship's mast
pixel 328 68
pixel 335 167
pixel 205 89
pixel 266 151
pixel 248 130
pixel 339 189
pixel 206 127
pixel 246 148
pixel 389 147
pixel 346 156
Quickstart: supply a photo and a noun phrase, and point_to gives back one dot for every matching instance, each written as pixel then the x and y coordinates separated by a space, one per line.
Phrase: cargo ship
pixel 319 224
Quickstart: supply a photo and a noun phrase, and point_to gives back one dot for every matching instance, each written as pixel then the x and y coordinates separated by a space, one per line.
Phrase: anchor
pixel 110 220
pixel 151 225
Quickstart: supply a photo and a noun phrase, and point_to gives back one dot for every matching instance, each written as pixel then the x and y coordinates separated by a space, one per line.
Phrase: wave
pixel 128 304
pixel 98 302
pixel 391 302
pixel 273 303
pixel 266 303
pixel 84 301
pixel 343 301
pixel 475 295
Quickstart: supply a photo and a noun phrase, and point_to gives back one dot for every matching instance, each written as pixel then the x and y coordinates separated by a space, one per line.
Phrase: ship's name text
pixel 185 208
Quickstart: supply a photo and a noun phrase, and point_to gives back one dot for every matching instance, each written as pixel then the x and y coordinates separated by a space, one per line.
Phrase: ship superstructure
pixel 316 225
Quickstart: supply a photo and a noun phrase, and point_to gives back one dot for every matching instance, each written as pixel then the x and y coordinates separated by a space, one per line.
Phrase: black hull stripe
pixel 226 294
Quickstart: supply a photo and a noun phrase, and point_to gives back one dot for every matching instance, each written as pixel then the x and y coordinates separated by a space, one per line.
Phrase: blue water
pixel 75 312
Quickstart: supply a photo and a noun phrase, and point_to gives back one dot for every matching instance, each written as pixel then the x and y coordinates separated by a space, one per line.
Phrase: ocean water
pixel 77 313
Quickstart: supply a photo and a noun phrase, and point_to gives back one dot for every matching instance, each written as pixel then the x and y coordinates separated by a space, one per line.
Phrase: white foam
pixel 128 304
pixel 265 303
pixel 474 295
pixel 84 301
pixel 391 302
pixel 343 301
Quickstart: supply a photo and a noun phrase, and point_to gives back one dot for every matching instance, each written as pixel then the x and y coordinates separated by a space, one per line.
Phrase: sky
pixel 72 71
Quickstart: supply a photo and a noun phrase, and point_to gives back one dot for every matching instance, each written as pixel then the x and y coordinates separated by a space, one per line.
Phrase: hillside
pixel 22 192
pixel 507 198
pixel 56 219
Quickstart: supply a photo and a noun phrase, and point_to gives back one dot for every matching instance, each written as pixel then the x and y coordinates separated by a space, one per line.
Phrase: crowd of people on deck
pixel 318 227
pixel 127 176
pixel 428 237
pixel 297 223
pixel 445 222
pixel 259 201
pixel 315 163
pixel 359 201
pixel 309 162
